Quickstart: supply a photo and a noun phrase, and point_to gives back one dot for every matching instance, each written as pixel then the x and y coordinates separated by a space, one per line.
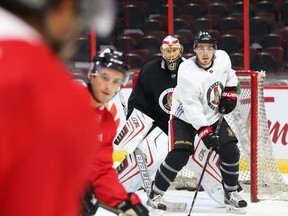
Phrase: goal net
pixel 259 172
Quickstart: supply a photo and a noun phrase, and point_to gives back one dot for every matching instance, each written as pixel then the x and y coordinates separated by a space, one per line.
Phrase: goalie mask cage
pixel 259 172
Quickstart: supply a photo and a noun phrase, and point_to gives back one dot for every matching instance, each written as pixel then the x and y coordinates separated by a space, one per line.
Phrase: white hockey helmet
pixel 171 51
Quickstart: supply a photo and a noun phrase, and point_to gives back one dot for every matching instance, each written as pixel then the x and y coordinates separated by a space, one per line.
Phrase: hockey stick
pixel 122 100
pixel 110 209
pixel 139 158
pixel 91 204
pixel 205 165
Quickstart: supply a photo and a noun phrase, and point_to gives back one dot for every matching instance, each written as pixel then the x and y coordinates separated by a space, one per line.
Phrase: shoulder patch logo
pixel 230 132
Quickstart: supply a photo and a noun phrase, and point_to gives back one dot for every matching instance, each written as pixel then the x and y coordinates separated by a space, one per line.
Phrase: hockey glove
pixel 228 100
pixel 89 202
pixel 133 206
pixel 209 138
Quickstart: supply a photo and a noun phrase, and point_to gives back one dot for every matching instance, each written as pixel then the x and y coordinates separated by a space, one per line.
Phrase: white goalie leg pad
pixel 212 179
pixel 154 148
pixel 133 132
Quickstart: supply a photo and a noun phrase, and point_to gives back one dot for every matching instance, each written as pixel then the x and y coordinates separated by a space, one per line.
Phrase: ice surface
pixel 204 206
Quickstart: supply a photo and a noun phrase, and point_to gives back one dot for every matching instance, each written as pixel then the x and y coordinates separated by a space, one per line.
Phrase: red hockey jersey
pixel 104 177
pixel 107 187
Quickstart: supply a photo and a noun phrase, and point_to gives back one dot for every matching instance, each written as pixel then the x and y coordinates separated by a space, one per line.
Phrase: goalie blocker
pixel 155 146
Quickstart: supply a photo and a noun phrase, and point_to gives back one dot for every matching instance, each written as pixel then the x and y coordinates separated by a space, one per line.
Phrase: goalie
pixel 150 103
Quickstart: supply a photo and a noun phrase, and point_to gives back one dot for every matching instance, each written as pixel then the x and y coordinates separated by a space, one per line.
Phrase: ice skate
pixel 158 202
pixel 234 203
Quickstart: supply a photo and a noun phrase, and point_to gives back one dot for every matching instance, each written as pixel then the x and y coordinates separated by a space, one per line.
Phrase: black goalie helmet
pixel 205 37
pixel 171 51
pixel 109 58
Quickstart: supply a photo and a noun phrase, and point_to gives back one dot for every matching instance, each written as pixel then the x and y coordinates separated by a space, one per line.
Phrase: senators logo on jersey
pixel 213 95
pixel 165 100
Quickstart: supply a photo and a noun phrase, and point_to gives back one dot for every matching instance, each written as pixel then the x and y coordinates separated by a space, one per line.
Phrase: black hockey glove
pixel 209 138
pixel 89 202
pixel 228 100
pixel 133 206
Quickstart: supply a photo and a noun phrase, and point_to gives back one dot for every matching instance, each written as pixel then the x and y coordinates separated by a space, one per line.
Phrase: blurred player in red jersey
pixel 108 71
pixel 47 127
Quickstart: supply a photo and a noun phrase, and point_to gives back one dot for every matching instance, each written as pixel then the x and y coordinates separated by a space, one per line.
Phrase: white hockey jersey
pixel 198 91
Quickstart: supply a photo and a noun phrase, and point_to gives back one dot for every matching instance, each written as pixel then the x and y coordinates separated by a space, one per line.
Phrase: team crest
pixel 230 132
pixel 213 95
pixel 165 100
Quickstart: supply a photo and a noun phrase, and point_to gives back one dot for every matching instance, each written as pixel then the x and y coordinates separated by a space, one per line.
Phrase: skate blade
pixel 234 210
pixel 168 206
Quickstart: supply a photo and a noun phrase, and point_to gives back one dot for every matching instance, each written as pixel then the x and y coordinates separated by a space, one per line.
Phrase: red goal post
pixel 249 79
pixel 258 167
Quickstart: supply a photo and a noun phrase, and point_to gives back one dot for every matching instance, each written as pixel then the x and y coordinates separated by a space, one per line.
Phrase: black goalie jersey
pixel 152 93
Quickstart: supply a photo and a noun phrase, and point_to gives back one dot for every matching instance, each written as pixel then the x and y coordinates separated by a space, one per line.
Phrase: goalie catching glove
pixel 132 206
pixel 209 138
pixel 228 100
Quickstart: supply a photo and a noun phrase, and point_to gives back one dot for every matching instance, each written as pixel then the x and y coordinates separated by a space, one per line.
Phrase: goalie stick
pixel 205 165
pixel 139 158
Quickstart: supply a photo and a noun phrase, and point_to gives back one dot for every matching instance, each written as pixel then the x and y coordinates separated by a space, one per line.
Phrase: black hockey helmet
pixel 109 58
pixel 205 37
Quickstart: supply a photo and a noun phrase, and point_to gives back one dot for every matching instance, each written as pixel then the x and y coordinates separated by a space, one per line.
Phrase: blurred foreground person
pixel 47 128
pixel 108 71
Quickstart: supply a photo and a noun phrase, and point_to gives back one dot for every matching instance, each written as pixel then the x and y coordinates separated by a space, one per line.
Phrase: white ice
pixel 204 206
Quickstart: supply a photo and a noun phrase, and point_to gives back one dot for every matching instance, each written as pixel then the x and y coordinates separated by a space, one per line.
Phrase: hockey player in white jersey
pixel 206 88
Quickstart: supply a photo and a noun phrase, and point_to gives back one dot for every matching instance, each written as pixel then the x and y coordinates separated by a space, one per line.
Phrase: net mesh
pixel 270 183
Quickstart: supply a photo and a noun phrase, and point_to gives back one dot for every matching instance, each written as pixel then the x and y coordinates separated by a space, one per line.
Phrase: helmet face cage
pixel 205 37
pixel 171 51
pixel 113 59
